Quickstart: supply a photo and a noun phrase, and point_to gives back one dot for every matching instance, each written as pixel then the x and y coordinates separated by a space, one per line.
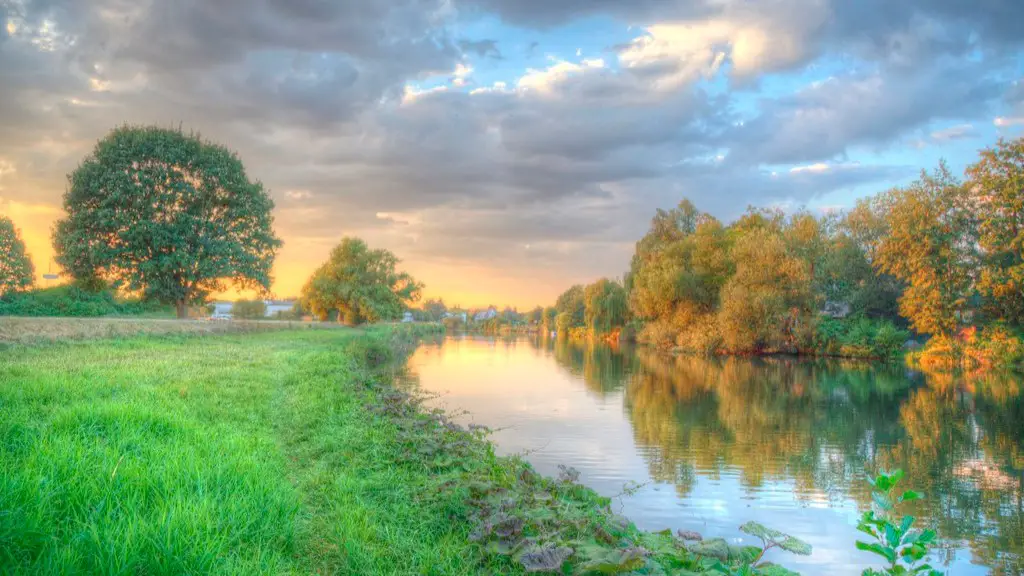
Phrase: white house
pixel 273 307
pixel 485 315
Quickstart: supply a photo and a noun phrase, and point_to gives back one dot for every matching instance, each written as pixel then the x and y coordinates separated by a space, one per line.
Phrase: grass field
pixel 34 330
pixel 230 454
pixel 284 452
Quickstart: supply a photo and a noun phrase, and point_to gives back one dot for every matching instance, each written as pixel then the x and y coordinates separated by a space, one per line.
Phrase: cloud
pixel 958 132
pixel 482 48
pixel 826 119
pixel 379 119
pixel 1004 121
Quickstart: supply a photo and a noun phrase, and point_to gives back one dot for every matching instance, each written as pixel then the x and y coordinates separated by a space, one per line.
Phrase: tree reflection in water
pixel 823 424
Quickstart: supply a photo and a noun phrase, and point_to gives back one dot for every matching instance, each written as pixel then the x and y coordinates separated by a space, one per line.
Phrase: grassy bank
pixel 42 330
pixel 278 453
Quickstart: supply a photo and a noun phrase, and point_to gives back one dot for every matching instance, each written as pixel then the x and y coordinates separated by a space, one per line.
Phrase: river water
pixel 786 442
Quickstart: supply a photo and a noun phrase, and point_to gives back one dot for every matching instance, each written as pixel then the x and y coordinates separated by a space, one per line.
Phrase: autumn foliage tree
pixel 16 270
pixel 930 245
pixel 359 285
pixel 166 214
pixel 996 184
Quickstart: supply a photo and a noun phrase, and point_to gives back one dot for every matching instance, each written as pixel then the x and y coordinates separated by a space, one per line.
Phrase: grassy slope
pixel 235 454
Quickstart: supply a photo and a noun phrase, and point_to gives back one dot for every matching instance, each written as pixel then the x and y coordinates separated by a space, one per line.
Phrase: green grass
pixel 285 452
pixel 231 454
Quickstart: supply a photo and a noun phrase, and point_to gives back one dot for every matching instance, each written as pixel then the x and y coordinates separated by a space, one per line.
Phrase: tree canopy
pixel 16 270
pixel 360 285
pixel 167 214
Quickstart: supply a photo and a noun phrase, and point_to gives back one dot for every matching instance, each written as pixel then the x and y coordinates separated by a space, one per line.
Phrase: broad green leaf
pixel 883 551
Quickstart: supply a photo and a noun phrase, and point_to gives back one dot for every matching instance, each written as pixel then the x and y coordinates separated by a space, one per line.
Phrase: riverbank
pixel 269 453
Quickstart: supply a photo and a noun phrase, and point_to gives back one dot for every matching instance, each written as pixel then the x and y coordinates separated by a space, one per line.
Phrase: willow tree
pixel 606 306
pixel 16 271
pixel 166 214
pixel 360 285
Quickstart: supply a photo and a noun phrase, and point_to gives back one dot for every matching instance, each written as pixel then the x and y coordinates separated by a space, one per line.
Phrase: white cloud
pixel 299 194
pixel 958 132
pixel 1004 121
pixel 412 92
pixel 544 80
pixel 818 167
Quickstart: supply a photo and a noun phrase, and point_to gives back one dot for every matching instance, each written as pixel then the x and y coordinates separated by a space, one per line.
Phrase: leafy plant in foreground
pixel 902 546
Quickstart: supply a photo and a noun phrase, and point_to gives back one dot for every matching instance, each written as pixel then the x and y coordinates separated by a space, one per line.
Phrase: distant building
pixel 460 315
pixel 274 307
pixel 407 317
pixel 484 315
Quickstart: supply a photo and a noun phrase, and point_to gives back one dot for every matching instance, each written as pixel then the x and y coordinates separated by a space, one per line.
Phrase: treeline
pixel 942 257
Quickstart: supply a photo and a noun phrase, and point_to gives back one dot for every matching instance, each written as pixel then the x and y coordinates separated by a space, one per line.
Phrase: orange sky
pixel 462 284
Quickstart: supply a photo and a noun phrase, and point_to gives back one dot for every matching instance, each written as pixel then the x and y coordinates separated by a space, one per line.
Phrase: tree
pixel 550 314
pixel 435 309
pixel 571 302
pixel 360 284
pixel 996 183
pixel 564 322
pixel 249 309
pixel 16 270
pixel 605 306
pixel 930 245
pixel 536 316
pixel 767 304
pixel 168 214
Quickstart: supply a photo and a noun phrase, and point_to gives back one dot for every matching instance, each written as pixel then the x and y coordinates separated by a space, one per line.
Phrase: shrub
pixel 859 337
pixel 249 309
pixel 901 545
pixel 73 300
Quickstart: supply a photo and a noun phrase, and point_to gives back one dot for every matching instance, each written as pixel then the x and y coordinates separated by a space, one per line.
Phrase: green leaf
pixel 882 501
pixel 545 559
pixel 883 551
pixel 614 561
pixel 910 495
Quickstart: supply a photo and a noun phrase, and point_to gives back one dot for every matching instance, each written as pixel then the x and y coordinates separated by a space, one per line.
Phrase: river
pixel 707 444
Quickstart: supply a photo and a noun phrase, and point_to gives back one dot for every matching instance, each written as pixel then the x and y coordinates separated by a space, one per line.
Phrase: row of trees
pixel 937 255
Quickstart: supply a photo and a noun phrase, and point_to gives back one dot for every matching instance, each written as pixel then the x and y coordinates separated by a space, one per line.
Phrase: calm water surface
pixel 782 441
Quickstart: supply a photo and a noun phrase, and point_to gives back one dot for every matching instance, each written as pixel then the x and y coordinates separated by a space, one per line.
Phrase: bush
pixel 73 300
pixel 249 309
pixel 563 322
pixel 859 338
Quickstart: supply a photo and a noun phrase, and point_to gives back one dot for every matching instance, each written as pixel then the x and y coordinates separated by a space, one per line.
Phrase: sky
pixel 506 149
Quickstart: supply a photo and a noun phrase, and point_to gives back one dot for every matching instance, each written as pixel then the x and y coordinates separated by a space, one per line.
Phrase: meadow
pixel 230 454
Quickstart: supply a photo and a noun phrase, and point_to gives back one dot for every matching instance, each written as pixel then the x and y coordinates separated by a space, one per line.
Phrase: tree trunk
pixel 182 308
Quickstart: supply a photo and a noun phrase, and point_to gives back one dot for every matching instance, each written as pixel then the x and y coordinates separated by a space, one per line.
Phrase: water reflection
pixel 785 441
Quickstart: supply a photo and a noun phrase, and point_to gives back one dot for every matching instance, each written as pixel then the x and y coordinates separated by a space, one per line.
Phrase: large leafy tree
pixel 360 285
pixel 16 271
pixel 605 306
pixel 996 183
pixel 168 214
pixel 768 303
pixel 931 245
pixel 571 302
